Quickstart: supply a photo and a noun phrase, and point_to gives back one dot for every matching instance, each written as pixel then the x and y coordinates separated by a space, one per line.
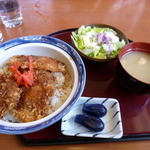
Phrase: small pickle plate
pixel 112 120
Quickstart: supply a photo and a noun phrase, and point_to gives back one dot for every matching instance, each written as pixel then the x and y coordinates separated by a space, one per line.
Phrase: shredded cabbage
pixel 100 43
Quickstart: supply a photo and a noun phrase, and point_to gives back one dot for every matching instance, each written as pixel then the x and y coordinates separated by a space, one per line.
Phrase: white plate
pixel 112 120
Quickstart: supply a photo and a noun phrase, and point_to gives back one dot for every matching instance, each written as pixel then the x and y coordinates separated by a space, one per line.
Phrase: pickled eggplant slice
pixel 90 122
pixel 97 110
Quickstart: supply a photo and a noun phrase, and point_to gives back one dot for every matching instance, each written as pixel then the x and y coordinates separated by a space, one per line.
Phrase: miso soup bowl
pixel 126 79
pixel 55 48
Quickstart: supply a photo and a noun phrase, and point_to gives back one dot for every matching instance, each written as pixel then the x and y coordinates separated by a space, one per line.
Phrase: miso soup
pixel 137 64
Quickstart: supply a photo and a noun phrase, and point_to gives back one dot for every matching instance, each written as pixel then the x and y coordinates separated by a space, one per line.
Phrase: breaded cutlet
pixel 35 103
pixel 32 102
pixel 9 93
pixel 39 62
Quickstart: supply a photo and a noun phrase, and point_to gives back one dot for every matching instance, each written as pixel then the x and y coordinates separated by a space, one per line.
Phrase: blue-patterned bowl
pixel 44 46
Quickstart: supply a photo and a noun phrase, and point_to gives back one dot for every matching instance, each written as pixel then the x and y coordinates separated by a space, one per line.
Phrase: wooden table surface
pixel 42 17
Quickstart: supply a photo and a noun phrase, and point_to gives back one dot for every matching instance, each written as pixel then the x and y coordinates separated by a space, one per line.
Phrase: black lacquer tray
pixel 101 82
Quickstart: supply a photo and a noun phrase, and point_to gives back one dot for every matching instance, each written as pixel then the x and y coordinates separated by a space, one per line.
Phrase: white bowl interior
pixel 41 49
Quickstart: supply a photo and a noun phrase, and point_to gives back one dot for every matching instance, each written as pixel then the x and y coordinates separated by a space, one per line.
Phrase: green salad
pixel 100 43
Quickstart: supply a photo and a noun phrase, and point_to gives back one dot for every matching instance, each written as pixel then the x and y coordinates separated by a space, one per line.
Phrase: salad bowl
pixel 98 42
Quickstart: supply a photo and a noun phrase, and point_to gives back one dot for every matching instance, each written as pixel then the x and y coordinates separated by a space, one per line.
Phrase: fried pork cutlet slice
pixel 9 94
pixel 39 62
pixel 35 99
